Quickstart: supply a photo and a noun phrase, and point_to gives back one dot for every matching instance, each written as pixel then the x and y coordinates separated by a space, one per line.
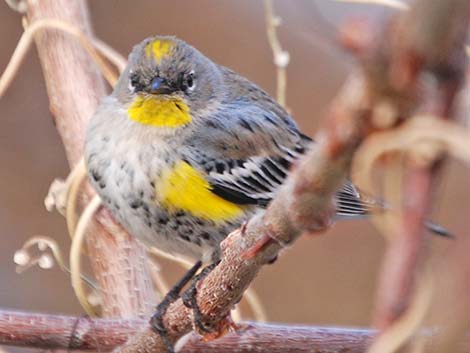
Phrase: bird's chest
pixel 124 175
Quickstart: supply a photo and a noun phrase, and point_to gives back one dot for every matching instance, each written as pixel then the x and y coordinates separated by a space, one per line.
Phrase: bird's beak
pixel 160 86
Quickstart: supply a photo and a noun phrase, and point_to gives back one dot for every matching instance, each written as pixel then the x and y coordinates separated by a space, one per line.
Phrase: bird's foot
pixel 189 300
pixel 156 322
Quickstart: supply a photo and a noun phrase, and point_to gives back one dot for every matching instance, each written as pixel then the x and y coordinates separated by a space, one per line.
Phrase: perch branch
pixel 45 331
pixel 85 334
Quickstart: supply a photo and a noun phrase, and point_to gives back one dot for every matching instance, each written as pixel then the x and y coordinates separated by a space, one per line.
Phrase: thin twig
pixel 256 306
pixel 77 245
pixel 396 4
pixel 280 56
pixel 43 243
pixel 111 54
pixel 27 38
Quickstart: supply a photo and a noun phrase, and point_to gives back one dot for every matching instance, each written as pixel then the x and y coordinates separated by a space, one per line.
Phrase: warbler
pixel 185 150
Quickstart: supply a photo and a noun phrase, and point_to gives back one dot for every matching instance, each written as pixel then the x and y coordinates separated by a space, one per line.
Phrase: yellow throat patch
pixel 159 111
pixel 158 49
pixel 184 188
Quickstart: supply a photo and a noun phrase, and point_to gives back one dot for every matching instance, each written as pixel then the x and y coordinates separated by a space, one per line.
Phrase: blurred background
pixel 326 279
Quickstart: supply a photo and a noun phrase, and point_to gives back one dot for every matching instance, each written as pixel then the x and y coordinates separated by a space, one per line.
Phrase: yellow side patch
pixel 159 111
pixel 184 188
pixel 158 49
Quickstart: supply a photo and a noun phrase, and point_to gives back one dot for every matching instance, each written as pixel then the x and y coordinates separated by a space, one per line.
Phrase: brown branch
pixel 33 330
pixel 65 332
pixel 75 86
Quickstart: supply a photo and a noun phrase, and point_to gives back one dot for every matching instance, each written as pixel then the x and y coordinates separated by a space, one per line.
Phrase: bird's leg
pixel 156 322
pixel 189 298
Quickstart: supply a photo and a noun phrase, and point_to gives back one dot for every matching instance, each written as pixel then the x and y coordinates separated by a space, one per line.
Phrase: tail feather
pixel 438 230
pixel 354 203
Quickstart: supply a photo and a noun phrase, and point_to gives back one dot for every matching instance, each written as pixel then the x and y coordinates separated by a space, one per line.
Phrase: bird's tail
pixel 370 204
pixel 438 230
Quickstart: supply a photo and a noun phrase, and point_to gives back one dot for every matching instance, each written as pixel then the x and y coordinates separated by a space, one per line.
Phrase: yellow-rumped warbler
pixel 184 150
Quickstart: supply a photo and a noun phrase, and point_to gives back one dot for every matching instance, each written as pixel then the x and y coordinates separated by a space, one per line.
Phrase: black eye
pixel 190 81
pixel 135 84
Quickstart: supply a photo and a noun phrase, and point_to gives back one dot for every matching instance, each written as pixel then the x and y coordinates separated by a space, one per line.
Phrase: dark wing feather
pixel 254 181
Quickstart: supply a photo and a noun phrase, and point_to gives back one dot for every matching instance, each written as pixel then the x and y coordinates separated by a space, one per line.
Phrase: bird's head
pixel 167 83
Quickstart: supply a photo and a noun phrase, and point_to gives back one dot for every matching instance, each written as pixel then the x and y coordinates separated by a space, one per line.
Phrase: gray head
pixel 166 76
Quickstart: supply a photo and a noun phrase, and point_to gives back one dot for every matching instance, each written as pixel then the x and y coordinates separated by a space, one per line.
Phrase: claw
pixel 156 322
pixel 189 300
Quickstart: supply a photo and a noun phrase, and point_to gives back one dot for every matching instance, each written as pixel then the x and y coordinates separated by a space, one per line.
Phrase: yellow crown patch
pixel 158 49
